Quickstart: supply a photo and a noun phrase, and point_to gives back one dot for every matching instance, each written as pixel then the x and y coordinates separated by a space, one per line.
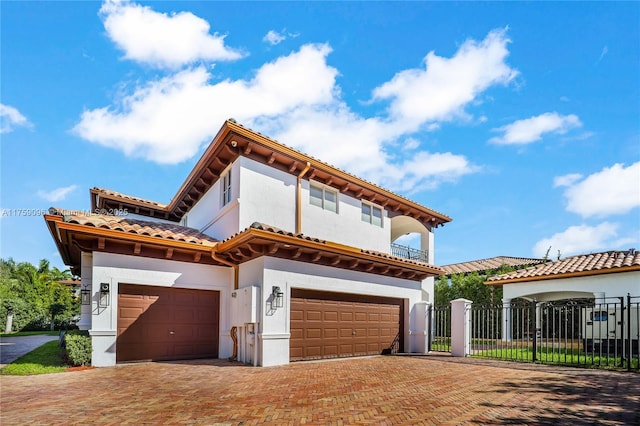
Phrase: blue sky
pixel 519 120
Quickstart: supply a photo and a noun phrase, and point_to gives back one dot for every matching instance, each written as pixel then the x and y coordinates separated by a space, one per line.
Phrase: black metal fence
pixel 440 340
pixel 600 333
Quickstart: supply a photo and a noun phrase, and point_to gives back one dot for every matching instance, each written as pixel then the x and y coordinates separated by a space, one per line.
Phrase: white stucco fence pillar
pixel 506 320
pixel 461 327
pixel 420 331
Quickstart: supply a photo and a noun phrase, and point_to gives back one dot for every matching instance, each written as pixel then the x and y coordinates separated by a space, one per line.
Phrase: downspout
pixel 235 267
pixel 299 198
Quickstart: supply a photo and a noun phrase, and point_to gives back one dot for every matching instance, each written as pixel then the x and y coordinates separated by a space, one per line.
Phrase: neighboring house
pixel 595 275
pixel 264 254
pixel 483 266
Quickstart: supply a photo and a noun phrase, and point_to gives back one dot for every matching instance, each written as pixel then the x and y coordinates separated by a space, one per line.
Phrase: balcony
pixel 407 252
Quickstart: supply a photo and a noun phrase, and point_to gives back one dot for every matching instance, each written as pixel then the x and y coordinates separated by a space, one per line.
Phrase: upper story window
pixel 323 197
pixel 226 188
pixel 372 214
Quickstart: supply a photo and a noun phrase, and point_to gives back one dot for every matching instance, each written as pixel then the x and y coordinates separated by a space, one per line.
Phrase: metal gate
pixel 600 333
pixel 440 339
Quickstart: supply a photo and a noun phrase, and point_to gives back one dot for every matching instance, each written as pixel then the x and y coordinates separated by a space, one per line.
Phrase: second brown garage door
pixel 333 325
pixel 161 323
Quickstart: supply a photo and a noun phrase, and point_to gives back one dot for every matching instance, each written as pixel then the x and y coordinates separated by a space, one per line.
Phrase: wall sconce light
pixel 104 294
pixel 277 297
pixel 85 295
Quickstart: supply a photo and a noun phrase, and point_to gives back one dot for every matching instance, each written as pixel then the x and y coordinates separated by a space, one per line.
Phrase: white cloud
pixel 10 118
pixel 273 37
pixel 613 190
pixel 566 180
pixel 57 194
pixel 583 239
pixel 296 100
pixel 604 52
pixel 531 129
pixel 446 85
pixel 167 120
pixel 161 40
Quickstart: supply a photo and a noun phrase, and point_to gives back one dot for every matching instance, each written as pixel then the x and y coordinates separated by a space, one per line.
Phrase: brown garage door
pixel 160 323
pixel 332 325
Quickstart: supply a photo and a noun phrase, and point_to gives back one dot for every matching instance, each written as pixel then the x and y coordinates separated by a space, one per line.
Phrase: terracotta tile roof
pixel 128 197
pixel 608 261
pixel 338 169
pixel 483 265
pixel 124 224
pixel 272 229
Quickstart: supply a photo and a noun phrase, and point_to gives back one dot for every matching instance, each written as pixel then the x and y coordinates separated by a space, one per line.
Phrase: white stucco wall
pixel 268 195
pixel 604 285
pixel 210 217
pixel 115 269
pixel 86 272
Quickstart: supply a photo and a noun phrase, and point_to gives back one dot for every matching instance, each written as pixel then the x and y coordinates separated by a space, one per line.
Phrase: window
pixel 226 188
pixel 372 214
pixel 599 316
pixel 323 197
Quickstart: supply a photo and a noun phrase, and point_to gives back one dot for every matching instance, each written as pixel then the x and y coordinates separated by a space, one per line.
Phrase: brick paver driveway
pixel 377 390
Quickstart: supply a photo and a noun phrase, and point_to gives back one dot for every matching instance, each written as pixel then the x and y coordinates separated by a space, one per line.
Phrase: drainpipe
pixel 299 198
pixel 235 267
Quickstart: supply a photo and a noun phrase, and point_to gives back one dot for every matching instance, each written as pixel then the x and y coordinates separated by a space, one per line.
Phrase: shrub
pixel 78 347
pixel 25 316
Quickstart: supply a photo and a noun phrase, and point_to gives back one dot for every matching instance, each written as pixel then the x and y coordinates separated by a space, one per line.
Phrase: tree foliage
pixel 35 296
pixel 469 286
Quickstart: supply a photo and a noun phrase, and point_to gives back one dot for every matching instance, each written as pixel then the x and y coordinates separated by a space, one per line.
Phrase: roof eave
pixel 500 282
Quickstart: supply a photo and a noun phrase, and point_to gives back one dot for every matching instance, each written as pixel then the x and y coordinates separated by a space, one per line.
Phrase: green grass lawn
pixel 45 359
pixel 572 357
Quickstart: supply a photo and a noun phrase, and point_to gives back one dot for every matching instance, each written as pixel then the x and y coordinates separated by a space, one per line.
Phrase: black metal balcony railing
pixel 409 253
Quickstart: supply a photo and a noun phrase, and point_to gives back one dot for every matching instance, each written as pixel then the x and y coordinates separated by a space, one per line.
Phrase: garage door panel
pixel 314 333
pixel 351 325
pixel 163 323
pixel 313 315
pixel 330 333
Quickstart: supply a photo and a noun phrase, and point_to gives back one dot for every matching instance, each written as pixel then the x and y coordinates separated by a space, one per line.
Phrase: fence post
pixel 461 327
pixel 421 331
pixel 506 320
pixel 534 308
pixel 629 344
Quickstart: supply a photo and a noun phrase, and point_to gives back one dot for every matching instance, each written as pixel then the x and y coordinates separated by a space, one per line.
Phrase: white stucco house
pixel 611 279
pixel 264 255
pixel 597 276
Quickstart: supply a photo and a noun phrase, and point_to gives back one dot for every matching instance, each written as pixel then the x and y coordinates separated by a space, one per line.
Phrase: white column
pixel 419 332
pixel 461 327
pixel 506 320
pixel 600 297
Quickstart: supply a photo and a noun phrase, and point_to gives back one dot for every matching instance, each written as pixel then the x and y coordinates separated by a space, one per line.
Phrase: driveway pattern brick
pixel 380 390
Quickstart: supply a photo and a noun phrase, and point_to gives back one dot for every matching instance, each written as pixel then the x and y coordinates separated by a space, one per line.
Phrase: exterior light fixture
pixel 104 294
pixel 277 297
pixel 85 295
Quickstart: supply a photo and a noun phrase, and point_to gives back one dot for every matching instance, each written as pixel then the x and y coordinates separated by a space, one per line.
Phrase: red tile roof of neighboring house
pixel 483 265
pixel 167 231
pixel 580 265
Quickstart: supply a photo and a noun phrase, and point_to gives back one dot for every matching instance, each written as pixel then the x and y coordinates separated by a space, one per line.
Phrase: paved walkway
pixel 12 348
pixel 380 390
